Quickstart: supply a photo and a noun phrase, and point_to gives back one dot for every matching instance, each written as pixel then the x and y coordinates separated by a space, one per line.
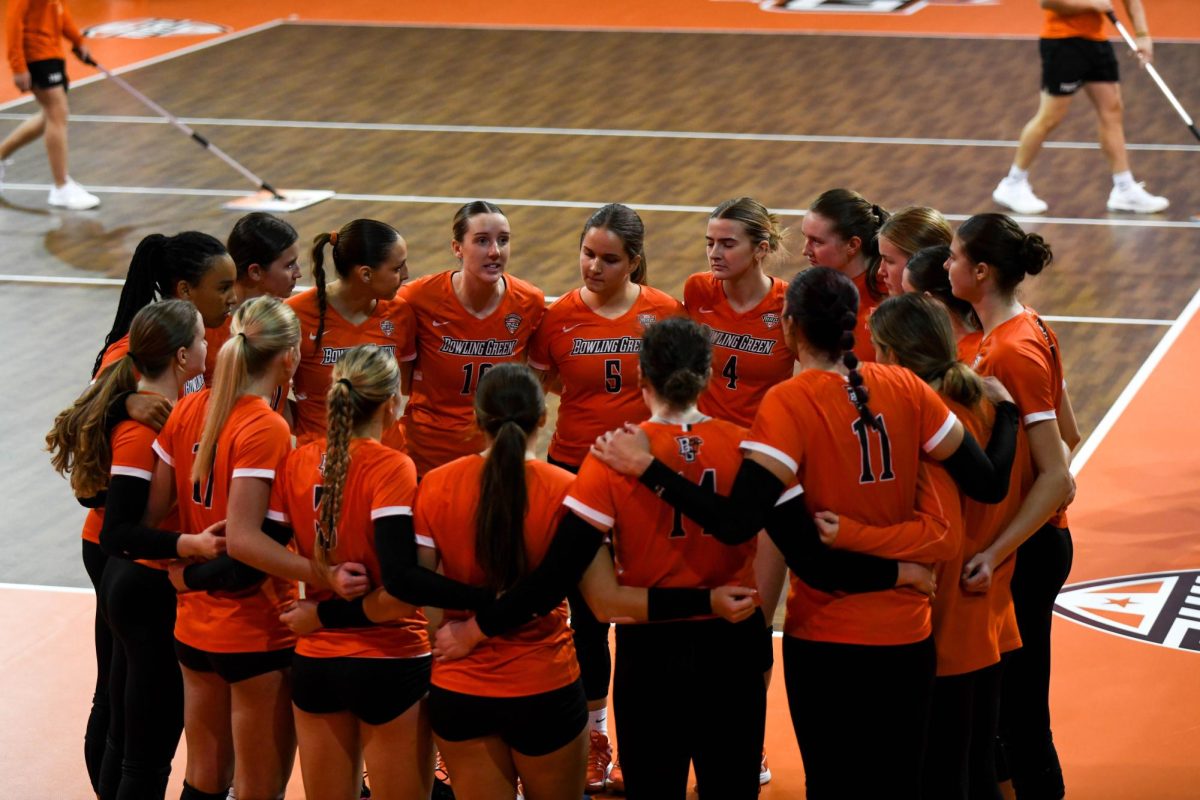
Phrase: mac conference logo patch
pixel 1161 608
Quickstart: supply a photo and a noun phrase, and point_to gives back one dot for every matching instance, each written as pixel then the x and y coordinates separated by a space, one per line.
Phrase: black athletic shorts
pixel 49 73
pixel 376 690
pixel 1067 64
pixel 232 667
pixel 533 725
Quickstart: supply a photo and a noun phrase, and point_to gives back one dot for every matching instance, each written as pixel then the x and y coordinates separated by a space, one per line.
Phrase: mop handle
pixel 1154 75
pixel 171 118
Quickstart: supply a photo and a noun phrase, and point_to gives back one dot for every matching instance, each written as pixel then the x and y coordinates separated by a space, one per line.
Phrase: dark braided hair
pixel 360 242
pixel 823 305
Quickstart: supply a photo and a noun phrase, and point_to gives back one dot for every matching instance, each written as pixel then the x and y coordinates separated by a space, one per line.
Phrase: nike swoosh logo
pixel 569 328
pixel 312 337
pixel 437 324
pixel 706 310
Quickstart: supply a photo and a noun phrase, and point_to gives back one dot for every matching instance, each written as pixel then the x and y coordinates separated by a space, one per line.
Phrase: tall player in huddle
pixel 467 320
pixel 219 452
pixel 358 689
pixel 989 257
pixel 587 346
pixel 871 655
pixel 360 307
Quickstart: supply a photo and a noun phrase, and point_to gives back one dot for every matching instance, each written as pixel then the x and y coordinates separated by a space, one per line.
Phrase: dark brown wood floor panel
pixel 818 84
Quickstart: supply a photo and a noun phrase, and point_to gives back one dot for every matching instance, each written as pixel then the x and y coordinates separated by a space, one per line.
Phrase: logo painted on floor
pixel 153 28
pixel 1161 608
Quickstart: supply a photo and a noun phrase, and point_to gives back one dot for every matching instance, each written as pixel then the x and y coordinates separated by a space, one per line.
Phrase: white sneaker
pixel 1019 196
pixel 1135 198
pixel 4 164
pixel 73 196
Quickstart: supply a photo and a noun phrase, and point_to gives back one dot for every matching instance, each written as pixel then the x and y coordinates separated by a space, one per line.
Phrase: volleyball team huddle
pixel 283 559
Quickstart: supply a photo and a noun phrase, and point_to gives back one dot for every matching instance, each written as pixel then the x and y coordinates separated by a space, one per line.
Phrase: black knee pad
pixel 192 793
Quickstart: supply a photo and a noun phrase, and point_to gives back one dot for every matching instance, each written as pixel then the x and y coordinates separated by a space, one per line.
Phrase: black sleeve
pixel 824 568
pixel 570 554
pixel 225 574
pixel 116 412
pixel 95 501
pixel 338 613
pixel 981 476
pixel 123 534
pixel 408 581
pixel 733 519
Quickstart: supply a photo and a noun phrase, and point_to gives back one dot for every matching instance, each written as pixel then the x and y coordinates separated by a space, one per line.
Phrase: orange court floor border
pixel 1125 708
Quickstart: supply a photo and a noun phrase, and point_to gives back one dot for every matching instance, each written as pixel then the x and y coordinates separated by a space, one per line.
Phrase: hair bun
pixel 1035 253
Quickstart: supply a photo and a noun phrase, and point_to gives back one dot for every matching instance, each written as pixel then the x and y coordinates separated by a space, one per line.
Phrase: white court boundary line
pixel 37 587
pixel 580 204
pixel 1134 386
pixel 146 62
pixel 629 133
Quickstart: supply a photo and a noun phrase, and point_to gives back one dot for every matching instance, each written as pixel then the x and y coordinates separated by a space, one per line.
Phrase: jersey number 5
pixel 612 375
pixel 885 449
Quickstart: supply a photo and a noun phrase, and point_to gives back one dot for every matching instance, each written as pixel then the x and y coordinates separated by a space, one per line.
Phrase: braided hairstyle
pixel 79 440
pixel 360 242
pixel 627 225
pixel 853 215
pixel 364 378
pixel 822 304
pixel 916 330
pixel 676 358
pixel 996 240
pixel 159 262
pixel 509 406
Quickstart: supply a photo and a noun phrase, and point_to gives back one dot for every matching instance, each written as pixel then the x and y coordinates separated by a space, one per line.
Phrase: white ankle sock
pixel 598 720
pixel 1123 180
pixel 1018 175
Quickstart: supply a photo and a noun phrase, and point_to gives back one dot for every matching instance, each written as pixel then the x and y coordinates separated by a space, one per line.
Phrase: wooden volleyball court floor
pixel 408 109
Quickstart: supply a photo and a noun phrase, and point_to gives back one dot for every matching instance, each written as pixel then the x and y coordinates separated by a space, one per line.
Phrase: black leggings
pixel 960 763
pixel 1043 563
pixel 94 560
pixel 146 688
pixel 861 714
pixel 691 691
pixel 590 634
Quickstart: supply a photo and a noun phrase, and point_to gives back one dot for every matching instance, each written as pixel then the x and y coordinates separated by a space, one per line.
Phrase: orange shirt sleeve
pixel 937 420
pixel 133 451
pixel 14 30
pixel 69 29
pixel 277 507
pixel 592 496
pixel 261 449
pixel 925 538
pixel 1027 376
pixel 774 433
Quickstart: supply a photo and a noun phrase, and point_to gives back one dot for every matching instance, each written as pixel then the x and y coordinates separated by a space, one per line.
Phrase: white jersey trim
pixel 941 434
pixel 426 541
pixel 244 472
pixel 162 453
pixel 1039 416
pixel 391 511
pixel 795 491
pixel 586 511
pixel 276 516
pixel 132 472
pixel 773 452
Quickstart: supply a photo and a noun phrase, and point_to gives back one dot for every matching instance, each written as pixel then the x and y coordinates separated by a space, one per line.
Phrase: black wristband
pixel 338 613
pixel 664 603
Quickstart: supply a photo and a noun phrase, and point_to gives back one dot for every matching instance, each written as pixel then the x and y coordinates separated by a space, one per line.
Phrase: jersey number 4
pixel 730 373
pixel 708 482
pixel 864 432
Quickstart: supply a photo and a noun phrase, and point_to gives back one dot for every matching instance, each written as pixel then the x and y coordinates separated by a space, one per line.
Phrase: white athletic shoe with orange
pixel 599 762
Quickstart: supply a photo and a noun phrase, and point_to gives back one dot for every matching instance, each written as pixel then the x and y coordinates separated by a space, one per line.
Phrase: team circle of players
pixel 317 520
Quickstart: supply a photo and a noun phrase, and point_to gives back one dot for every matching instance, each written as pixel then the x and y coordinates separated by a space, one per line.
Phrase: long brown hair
pixel 79 441
pixel 916 330
pixel 261 329
pixel 509 405
pixel 364 378
pixel 360 242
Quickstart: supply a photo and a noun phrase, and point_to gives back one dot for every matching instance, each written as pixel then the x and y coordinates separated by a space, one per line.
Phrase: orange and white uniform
pixel 597 360
pixel 34 30
pixel 810 424
pixel 381 482
pixel 1088 25
pixel 867 302
pixel 968 347
pixel 749 353
pixel 390 326
pixel 1023 353
pixel 653 544
pixel 253 444
pixel 537 657
pixel 454 349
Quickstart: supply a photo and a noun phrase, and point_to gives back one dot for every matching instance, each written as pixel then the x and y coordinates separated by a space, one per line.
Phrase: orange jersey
pixel 380 483
pixel 1088 25
pixel 253 444
pixel 113 353
pixel 537 657
pixel 968 346
pixel 862 329
pixel 653 544
pixel 390 326
pixel 810 424
pixel 597 359
pixel 1023 353
pixel 454 350
pixel 35 29
pixel 216 339
pixel 749 353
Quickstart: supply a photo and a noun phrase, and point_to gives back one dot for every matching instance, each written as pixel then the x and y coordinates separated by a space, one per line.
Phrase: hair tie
pixel 333 237
pixel 346 382
pixel 241 334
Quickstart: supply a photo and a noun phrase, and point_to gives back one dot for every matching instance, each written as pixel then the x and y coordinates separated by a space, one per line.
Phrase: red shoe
pixel 616 778
pixel 599 762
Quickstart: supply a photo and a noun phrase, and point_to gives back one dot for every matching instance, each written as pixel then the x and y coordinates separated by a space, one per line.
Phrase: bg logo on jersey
pixel 689 447
pixel 1161 608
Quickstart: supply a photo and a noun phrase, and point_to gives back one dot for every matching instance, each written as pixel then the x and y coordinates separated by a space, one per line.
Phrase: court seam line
pixel 158 59
pixel 1135 384
pixel 627 133
pixel 64 280
pixel 532 28
pixel 579 204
